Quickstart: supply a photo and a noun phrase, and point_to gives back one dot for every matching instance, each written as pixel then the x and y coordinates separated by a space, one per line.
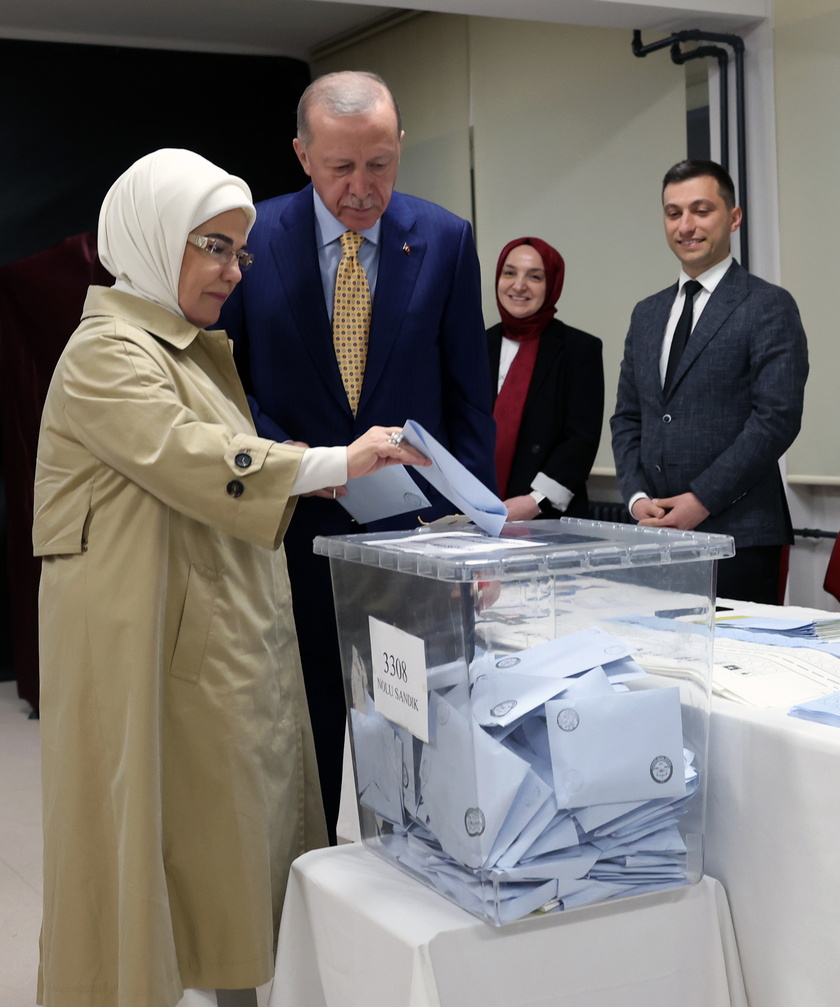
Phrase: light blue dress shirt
pixel 328 231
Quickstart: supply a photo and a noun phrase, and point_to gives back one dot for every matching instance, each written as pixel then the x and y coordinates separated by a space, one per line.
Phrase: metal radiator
pixel 601 510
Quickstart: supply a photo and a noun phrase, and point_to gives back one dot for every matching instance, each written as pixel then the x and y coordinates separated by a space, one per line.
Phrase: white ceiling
pixel 295 27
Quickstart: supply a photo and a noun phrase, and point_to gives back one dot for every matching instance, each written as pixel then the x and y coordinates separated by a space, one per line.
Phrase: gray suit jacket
pixel 734 407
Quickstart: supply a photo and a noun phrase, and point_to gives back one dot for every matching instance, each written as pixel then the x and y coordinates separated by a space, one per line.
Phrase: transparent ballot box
pixel 529 714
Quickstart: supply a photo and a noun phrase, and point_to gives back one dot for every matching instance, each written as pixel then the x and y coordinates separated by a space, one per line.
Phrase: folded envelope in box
pixel 379 765
pixel 501 698
pixel 468 784
pixel 560 658
pixel 611 749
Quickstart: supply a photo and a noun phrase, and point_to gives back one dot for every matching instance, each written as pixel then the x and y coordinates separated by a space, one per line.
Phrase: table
pixel 357 932
pixel 772 838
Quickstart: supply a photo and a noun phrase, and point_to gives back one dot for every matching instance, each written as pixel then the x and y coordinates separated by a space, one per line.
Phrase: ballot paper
pixel 383 494
pixel 569 796
pixel 773 676
pixel 456 482
pixel 825 710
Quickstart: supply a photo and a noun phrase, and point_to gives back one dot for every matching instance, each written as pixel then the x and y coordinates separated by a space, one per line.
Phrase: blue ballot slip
pixel 567 789
pixel 825 710
pixel 382 494
pixel 455 482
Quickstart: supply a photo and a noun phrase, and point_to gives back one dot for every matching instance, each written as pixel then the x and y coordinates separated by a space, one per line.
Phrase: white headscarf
pixel 149 212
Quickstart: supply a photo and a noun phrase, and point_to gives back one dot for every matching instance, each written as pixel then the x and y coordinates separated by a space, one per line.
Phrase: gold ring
pixel 333 492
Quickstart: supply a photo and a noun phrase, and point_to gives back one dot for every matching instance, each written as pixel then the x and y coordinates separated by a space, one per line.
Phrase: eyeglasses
pixel 222 251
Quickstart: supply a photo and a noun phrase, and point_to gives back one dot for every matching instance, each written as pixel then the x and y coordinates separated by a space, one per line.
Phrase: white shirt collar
pixel 710 279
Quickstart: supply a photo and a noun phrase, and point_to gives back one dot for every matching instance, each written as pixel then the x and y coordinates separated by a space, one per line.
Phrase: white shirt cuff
pixel 633 499
pixel 320 467
pixel 557 493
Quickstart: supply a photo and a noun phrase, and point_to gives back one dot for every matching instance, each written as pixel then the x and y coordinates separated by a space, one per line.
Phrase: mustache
pixel 354 203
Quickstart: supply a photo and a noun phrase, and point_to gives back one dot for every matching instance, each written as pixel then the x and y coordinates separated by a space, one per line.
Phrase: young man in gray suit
pixel 710 390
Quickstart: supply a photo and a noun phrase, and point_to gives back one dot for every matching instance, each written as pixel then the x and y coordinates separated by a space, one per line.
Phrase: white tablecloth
pixel 357 932
pixel 772 839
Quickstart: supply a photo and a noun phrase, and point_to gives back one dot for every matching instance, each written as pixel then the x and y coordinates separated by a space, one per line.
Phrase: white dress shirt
pixel 708 282
pixel 322 467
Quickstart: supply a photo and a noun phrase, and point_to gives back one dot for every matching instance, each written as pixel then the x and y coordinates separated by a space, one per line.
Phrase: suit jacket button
pixel 535 449
pixel 243 460
pixel 666 418
pixel 235 488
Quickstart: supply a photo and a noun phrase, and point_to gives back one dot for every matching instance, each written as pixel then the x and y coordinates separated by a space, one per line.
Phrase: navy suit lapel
pixel 293 247
pixel 401 252
pixel 728 294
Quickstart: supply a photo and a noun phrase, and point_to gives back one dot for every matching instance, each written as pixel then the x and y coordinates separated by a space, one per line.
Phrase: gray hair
pixel 347 92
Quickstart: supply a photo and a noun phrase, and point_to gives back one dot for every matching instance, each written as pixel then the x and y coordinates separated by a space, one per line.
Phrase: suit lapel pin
pixel 407 248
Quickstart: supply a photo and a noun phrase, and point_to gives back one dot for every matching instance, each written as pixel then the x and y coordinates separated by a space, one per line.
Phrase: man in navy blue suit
pixel 426 356
pixel 703 417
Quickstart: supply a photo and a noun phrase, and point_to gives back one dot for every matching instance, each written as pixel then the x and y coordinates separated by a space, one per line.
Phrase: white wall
pixel 571 136
pixel 807 95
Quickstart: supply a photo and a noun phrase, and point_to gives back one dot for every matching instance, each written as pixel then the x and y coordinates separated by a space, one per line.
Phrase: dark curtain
pixel 79 116
pixel 41 299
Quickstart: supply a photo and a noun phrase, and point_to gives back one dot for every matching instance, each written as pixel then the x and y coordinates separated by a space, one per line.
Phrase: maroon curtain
pixel 41 299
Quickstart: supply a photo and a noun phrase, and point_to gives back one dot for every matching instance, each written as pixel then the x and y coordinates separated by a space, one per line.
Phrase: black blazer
pixel 564 411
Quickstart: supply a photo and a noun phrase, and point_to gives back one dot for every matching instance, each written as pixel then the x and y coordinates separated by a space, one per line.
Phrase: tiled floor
pixel 20 850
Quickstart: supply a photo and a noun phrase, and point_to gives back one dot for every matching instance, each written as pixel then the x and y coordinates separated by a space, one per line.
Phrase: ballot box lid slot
pixel 525 549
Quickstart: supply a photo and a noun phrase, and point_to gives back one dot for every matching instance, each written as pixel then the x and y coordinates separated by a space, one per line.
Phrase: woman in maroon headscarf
pixel 548 385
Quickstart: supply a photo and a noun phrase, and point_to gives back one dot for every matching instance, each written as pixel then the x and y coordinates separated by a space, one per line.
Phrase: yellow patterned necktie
pixel 351 317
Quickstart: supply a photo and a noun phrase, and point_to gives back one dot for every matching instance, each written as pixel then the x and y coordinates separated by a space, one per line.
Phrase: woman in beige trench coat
pixel 178 769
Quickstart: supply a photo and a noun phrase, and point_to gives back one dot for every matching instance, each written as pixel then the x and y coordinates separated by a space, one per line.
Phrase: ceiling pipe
pixel 738 47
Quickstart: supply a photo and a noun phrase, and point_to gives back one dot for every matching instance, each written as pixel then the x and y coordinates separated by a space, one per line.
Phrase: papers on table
pixel 773 677
pixel 546 782
pixel 778 630
pixel 825 710
pixel 768 661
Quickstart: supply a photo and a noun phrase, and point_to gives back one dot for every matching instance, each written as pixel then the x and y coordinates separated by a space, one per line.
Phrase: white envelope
pixel 612 749
pixel 560 658
pixel 541 820
pixel 379 765
pixel 531 799
pixel 456 482
pixel 594 817
pixel 559 834
pixel 502 698
pixel 383 494
pixel 572 863
pixel 468 784
pixel 410 744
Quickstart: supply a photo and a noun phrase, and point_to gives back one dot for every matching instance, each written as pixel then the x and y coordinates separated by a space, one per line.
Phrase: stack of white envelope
pixel 546 782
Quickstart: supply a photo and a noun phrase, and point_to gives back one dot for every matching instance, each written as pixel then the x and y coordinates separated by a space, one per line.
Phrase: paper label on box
pixel 400 689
